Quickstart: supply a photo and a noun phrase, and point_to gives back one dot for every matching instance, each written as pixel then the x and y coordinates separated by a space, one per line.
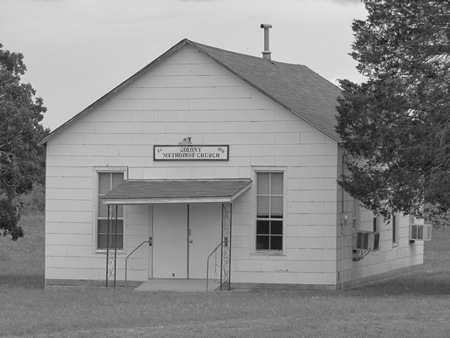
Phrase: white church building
pixel 211 153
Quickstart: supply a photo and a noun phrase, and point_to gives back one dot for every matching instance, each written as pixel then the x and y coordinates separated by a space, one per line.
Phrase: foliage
pixel 34 201
pixel 21 159
pixel 395 126
pixel 9 220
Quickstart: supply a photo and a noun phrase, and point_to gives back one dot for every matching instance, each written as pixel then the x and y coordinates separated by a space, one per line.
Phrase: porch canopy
pixel 176 191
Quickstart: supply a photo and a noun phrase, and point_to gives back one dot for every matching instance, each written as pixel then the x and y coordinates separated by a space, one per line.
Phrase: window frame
pixel 106 170
pixel 394 222
pixel 376 224
pixel 269 170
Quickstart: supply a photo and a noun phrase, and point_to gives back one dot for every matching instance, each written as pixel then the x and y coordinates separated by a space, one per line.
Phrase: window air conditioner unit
pixel 366 241
pixel 420 232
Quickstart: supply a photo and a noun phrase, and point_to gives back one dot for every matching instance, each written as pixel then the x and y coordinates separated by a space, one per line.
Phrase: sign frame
pixel 160 149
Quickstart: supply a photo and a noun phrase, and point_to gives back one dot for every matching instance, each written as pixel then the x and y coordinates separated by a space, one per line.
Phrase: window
pixel 269 211
pixel 106 182
pixel 394 230
pixel 375 224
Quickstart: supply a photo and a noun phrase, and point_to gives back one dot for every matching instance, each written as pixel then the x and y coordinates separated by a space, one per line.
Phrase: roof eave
pixel 141 201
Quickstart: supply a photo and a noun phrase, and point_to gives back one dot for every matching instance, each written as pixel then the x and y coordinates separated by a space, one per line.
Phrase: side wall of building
pixel 189 95
pixel 394 256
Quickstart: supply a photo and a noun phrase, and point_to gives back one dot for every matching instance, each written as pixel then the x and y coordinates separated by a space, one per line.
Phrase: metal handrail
pixel 207 265
pixel 126 259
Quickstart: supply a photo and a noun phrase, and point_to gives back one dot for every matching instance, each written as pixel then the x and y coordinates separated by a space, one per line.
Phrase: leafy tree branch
pixel 22 161
pixel 395 126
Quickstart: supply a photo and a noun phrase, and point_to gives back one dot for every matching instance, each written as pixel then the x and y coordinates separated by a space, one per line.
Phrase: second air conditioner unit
pixel 420 232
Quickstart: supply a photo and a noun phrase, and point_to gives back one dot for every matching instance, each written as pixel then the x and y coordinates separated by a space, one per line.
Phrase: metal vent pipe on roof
pixel 266 53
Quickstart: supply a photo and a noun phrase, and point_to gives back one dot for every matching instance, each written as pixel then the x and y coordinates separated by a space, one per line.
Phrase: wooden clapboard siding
pixel 189 94
pixel 390 257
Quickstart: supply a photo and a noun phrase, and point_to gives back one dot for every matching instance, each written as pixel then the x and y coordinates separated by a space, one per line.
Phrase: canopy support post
pixel 111 255
pixel 225 252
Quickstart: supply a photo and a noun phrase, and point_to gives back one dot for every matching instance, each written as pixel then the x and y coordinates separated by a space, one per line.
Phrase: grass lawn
pixel 414 306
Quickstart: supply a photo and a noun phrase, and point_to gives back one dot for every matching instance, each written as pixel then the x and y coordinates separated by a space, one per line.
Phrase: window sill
pixel 119 252
pixel 394 245
pixel 268 253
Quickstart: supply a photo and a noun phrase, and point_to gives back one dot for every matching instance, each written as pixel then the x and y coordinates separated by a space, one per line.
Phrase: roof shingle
pixel 296 87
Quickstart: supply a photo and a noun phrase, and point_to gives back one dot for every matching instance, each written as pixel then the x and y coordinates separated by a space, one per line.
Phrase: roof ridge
pixel 197 44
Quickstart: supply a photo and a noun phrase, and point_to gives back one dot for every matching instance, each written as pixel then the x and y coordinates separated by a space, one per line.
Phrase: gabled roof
pixel 295 87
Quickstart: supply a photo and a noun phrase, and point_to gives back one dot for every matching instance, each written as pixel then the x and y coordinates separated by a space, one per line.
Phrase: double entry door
pixel 183 237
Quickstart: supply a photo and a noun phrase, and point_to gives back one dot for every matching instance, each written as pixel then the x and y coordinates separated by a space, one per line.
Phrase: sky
pixel 78 50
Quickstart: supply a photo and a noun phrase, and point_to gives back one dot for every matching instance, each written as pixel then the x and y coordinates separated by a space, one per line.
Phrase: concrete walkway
pixel 181 285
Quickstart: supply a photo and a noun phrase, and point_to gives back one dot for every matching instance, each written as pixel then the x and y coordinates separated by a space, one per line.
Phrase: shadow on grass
pixel 22 281
pixel 427 284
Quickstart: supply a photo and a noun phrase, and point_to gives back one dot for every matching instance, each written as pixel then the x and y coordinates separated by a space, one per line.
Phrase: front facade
pixel 206 117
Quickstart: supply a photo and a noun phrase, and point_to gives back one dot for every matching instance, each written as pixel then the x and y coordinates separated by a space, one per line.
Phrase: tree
pixel 395 127
pixel 21 159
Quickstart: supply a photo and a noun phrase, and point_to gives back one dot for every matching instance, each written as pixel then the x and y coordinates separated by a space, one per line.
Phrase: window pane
pixel 120 242
pixel 276 184
pixel 119 226
pixel 263 183
pixel 262 242
pixel 101 242
pixel 117 178
pixel 102 208
pixel 263 206
pixel 276 227
pixel 262 227
pixel 112 241
pixel 276 205
pixel 103 183
pixel 102 226
pixel 276 243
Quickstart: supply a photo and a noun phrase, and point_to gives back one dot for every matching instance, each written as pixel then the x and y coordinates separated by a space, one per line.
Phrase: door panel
pixel 205 224
pixel 170 241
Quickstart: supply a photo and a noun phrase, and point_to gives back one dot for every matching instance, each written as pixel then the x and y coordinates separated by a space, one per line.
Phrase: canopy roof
pixel 177 191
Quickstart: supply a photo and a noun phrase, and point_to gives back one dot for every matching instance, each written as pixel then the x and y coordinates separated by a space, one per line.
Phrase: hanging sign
pixel 191 152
